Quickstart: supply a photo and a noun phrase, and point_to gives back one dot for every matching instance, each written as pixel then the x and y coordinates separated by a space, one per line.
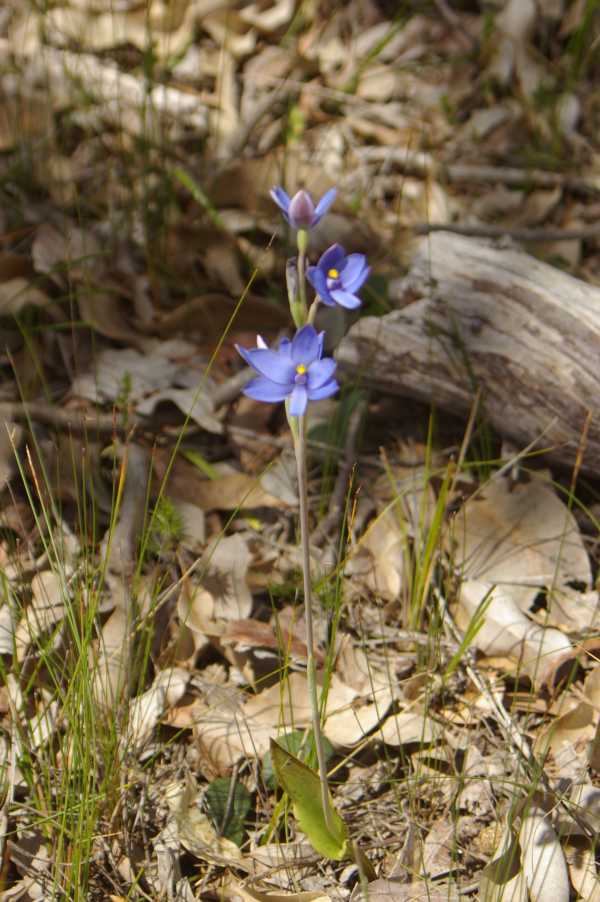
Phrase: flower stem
pixel 297 309
pixel 302 240
pixel 311 672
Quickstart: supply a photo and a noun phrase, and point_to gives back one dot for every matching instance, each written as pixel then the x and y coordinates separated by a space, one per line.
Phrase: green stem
pixel 311 672
pixel 302 240
pixel 297 309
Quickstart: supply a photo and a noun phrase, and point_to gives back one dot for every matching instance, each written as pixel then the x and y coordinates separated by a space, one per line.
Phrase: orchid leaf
pixel 304 789
pixel 298 743
pixel 228 808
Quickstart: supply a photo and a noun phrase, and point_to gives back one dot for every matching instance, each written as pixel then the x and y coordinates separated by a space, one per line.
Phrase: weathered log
pixel 481 316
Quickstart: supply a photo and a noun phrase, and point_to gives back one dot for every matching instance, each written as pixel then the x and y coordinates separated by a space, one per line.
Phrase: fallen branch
pixel 73 419
pixel 517 234
pixel 68 419
pixel 417 163
pixel 479 317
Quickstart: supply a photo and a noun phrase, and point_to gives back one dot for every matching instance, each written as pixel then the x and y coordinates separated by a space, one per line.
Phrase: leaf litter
pixel 116 284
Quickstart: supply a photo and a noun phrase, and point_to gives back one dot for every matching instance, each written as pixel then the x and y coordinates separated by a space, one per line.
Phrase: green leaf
pixel 298 743
pixel 228 808
pixel 304 789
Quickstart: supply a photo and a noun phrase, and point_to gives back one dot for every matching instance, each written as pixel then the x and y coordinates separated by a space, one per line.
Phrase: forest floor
pixel 152 640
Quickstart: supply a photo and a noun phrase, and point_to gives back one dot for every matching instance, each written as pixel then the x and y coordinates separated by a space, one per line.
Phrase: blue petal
pixel 281 199
pixel 275 366
pixel 331 258
pixel 325 391
pixel 285 347
pixel 317 279
pixel 359 280
pixel 323 205
pixel 305 346
pixel 320 372
pixel 321 343
pixel 263 389
pixel 245 354
pixel 298 400
pixel 355 284
pixel 345 299
pixel 354 268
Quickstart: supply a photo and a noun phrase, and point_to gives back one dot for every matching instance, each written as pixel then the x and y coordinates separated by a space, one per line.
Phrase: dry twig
pixel 421 165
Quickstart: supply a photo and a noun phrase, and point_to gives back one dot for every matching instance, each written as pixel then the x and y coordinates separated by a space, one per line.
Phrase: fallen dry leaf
pixel 572 610
pixel 520 537
pixel 227 734
pixel 46 609
pixel 502 878
pixel 110 660
pixel 584 876
pixel 437 854
pixel 273 861
pixel 383 890
pixel 18 293
pixel 409 727
pixel 224 577
pixel 65 253
pixel 256 634
pixel 247 894
pixel 542 859
pixel 8 618
pixel 171 372
pixel 146 710
pixel 507 632
pixel 358 669
pixel 228 492
pixel 378 560
pixel 508 542
pixel 194 829
pixel 512 50
pixel 571 735
pixel 584 802
pixel 411 486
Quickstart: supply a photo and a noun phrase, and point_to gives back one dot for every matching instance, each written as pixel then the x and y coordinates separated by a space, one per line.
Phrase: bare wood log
pixel 479 316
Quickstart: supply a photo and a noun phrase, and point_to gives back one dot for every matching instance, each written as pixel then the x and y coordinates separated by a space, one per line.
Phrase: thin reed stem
pixel 300 448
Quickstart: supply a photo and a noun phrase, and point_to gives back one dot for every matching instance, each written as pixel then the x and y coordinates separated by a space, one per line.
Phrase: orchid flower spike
pixel 296 371
pixel 300 211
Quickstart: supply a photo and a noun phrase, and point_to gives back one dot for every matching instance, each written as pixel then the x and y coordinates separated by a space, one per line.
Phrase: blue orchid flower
pixel 296 371
pixel 300 211
pixel 337 277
